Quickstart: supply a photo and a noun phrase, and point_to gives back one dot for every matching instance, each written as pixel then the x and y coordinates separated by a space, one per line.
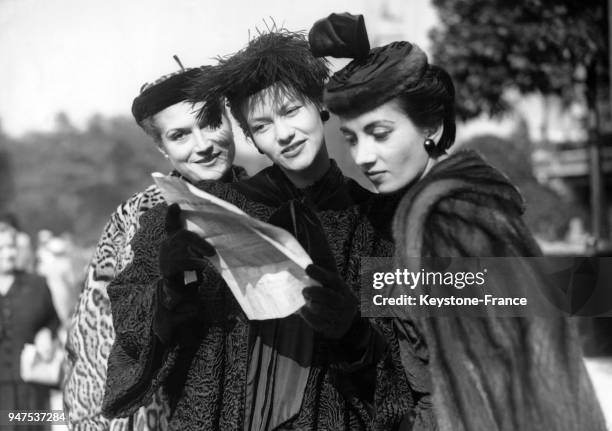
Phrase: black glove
pixel 177 302
pixel 181 251
pixel 354 345
pixel 331 308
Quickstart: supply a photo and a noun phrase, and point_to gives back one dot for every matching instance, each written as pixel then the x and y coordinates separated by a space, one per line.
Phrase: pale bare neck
pixel 313 173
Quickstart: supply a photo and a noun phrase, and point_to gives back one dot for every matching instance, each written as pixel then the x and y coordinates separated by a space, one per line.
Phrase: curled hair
pixel 430 102
pixel 150 128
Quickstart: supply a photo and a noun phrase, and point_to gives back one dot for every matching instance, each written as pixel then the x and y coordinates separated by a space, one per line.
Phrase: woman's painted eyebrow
pixel 285 106
pixel 259 119
pixel 378 123
pixel 177 129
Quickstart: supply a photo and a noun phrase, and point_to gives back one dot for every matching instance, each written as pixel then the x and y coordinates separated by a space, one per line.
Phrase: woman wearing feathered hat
pixel 322 369
pixel 274 88
pixel 397 116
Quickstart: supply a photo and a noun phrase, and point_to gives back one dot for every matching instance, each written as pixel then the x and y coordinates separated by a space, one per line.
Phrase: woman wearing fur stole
pixel 397 116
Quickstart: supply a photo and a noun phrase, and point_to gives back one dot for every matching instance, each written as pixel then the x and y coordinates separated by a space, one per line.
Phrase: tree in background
pixel 550 47
pixel 71 180
pixel 535 46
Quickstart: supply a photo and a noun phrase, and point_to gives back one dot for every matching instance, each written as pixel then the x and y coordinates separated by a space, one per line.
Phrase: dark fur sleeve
pixel 401 387
pixel 137 363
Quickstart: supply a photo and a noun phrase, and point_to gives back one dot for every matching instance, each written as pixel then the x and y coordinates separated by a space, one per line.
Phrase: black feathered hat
pixel 277 57
pixel 374 76
pixel 164 92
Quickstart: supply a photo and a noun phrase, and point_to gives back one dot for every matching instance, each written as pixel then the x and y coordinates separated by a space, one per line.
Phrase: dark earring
pixel 324 115
pixel 430 147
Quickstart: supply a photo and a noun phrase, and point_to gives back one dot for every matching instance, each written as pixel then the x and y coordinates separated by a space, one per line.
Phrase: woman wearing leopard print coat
pixel 195 153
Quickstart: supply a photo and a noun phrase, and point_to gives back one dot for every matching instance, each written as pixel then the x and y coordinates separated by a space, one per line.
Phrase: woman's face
pixel 387 146
pixel 286 129
pixel 196 152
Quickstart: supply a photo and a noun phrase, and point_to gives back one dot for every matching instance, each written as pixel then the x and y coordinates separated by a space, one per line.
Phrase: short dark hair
pixel 430 102
pixel 279 91
pixel 279 58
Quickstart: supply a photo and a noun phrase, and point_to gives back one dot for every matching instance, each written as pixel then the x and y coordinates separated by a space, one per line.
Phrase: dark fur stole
pixel 490 373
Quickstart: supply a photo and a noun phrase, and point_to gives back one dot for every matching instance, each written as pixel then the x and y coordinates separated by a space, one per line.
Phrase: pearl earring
pixel 430 146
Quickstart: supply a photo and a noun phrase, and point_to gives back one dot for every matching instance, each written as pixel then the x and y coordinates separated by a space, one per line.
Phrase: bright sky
pixel 88 56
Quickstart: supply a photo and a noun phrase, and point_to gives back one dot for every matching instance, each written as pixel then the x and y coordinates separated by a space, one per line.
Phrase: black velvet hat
pixel 340 35
pixel 278 56
pixel 373 77
pixel 164 92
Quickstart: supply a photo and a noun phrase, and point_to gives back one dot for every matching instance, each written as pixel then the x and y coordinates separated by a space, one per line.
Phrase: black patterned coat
pixel 207 379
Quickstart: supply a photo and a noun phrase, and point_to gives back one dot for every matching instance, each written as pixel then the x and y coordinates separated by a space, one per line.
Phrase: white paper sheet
pixel 262 264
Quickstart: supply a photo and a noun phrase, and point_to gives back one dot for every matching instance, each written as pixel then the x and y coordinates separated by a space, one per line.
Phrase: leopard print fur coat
pixel 91 332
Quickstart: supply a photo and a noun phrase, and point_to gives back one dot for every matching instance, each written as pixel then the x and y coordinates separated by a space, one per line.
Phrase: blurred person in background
pixel 27 315
pixel 25 252
pixel 58 260
pixel 55 260
pixel 196 153
pixel 56 266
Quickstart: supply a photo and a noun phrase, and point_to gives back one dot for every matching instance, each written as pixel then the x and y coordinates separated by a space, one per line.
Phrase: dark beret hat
pixel 367 83
pixel 374 76
pixel 166 91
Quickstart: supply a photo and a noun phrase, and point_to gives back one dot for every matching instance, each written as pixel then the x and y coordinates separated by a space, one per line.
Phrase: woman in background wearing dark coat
pixel 397 116
pixel 25 308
